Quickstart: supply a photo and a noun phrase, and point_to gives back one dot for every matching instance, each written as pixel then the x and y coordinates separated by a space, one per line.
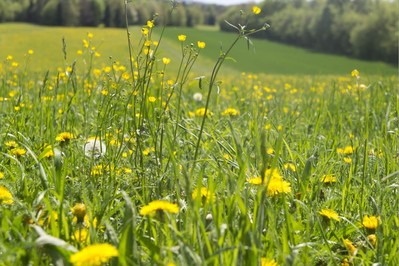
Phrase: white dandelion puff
pixel 94 147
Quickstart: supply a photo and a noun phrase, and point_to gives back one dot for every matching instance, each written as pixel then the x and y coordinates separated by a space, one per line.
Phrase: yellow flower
pixel 330 214
pixel 355 73
pixel 290 166
pixel 64 137
pixel 205 195
pixel 90 35
pixel 144 31
pixel 152 99
pixel 5 196
pixel 268 262
pixel 159 206
pixel 18 151
pixel 328 179
pixel 347 160
pixel 30 51
pixel 1 175
pixel 274 182
pixel 230 112
pixel 150 23
pixel 11 144
pixel 255 180
pixel 80 235
pixel 182 37
pixel 350 247
pixel 79 210
pixel 166 60
pixel 201 45
pixel 373 239
pixel 201 112
pixel 256 10
pixel 94 255
pixel 371 222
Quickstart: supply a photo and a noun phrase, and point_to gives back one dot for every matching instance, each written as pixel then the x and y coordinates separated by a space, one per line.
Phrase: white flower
pixel 94 147
pixel 197 97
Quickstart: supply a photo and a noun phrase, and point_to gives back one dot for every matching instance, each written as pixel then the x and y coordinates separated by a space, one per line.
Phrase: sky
pixel 225 2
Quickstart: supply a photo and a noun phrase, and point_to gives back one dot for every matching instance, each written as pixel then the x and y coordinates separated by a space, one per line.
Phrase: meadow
pixel 173 158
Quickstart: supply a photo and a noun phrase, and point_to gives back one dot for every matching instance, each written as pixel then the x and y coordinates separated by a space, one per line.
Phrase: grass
pixel 278 170
pixel 263 57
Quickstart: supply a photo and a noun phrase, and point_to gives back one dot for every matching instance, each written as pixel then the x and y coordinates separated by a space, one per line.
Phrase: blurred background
pixel 363 29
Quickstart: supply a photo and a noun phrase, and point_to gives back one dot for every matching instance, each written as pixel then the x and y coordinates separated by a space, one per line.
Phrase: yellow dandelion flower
pixel 18 152
pixel 268 262
pixel 11 144
pixel 165 60
pixel 256 10
pixel 330 214
pixel 201 112
pixel 290 166
pixel 328 179
pixel 277 186
pixel 255 180
pixel 371 222
pixel 350 247
pixel 94 255
pixel 159 206
pixel 230 112
pixel 5 196
pixel 182 37
pixel 347 160
pixel 201 45
pixel 80 235
pixel 64 137
pixel 204 194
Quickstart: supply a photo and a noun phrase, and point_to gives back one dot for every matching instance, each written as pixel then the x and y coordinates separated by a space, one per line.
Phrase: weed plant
pixel 130 164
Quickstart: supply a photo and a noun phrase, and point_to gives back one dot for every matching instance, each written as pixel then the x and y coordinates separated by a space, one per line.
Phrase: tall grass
pixel 249 169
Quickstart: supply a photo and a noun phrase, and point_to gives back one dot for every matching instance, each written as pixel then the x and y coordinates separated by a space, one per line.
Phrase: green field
pixel 105 162
pixel 264 57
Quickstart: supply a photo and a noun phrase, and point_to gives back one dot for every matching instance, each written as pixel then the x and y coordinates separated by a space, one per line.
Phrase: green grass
pixel 243 185
pixel 263 57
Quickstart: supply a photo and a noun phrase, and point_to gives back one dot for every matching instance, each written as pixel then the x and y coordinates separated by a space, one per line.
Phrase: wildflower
pixel 18 151
pixel 182 37
pixel 152 99
pixel 350 247
pixel 9 57
pixel 371 222
pixel 268 262
pixel 94 147
pixel 355 73
pixel 230 112
pixel 290 166
pixel 90 35
pixel 256 10
pixel 64 137
pixel 80 235
pixel 165 60
pixel 79 211
pixel 204 194
pixel 30 52
pixel 144 31
pixel 372 239
pixel 150 23
pixel 94 255
pixel 270 151
pixel 201 112
pixel 274 182
pixel 159 206
pixel 345 262
pixel 197 96
pixel 11 144
pixel 5 196
pixel 48 152
pixel 1 175
pixel 328 179
pixel 255 180
pixel 201 45
pixel 329 214
pixel 348 150
pixel 348 160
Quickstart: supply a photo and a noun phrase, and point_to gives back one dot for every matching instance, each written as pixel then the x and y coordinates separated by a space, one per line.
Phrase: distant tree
pixel 91 12
pixel 69 12
pixel 51 13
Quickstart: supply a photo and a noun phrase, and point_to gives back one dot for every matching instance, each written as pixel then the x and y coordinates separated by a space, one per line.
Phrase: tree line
pixel 365 29
pixel 107 13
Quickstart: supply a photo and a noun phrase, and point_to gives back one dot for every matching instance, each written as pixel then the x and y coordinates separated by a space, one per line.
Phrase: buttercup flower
pixel 94 255
pixel 204 194
pixel 5 196
pixel 329 214
pixel 201 45
pixel 274 182
pixel 159 206
pixel 166 60
pixel 355 73
pixel 256 10
pixel 182 37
